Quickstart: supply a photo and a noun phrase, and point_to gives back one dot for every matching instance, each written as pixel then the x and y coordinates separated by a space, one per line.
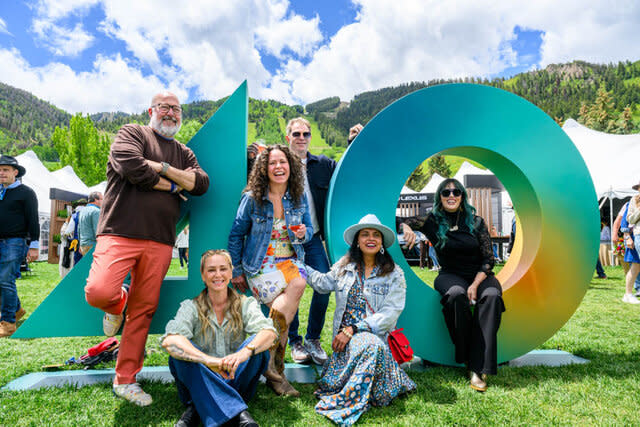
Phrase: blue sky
pixel 109 55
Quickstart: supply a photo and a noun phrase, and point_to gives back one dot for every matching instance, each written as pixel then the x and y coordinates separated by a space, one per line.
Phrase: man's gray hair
pixel 298 120
pixel 94 195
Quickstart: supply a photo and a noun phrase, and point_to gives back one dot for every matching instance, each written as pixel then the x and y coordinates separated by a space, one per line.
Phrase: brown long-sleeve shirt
pixel 131 207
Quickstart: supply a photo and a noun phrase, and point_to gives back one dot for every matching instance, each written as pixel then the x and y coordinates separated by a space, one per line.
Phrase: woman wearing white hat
pixel 370 295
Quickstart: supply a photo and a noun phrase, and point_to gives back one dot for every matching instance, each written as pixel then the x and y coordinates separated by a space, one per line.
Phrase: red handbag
pixel 399 345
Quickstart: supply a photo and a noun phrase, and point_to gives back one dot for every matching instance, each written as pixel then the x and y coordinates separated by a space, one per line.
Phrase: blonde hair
pixel 204 307
pixel 297 120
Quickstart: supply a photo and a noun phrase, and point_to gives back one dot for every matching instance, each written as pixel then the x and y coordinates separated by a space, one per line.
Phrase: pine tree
pixel 437 164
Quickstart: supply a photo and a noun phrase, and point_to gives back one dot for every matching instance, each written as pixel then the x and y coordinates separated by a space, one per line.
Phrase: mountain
pixel 605 97
pixel 25 120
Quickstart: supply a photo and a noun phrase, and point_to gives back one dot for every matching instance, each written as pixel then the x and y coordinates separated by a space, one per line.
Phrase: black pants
pixel 474 335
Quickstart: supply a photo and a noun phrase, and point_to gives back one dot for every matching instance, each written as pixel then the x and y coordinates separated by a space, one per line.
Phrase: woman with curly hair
pixel 265 243
pixel 466 279
pixel 217 343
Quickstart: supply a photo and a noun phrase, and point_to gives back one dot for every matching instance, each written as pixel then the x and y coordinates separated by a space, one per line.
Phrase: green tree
pixel 438 164
pixel 418 178
pixel 600 114
pixel 83 148
pixel 188 130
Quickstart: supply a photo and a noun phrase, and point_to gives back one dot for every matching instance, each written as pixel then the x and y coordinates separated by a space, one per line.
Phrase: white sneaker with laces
pixel 111 324
pixel 133 393
pixel 318 355
pixel 630 298
pixel 299 353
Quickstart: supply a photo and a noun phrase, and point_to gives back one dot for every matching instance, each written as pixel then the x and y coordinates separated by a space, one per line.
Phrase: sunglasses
pixel 304 134
pixel 446 192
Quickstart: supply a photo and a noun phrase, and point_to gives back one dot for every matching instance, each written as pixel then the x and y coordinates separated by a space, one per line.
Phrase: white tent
pixel 433 183
pixel 39 179
pixel 467 168
pixel 605 156
pixel 69 178
pixel 101 187
pixel 405 190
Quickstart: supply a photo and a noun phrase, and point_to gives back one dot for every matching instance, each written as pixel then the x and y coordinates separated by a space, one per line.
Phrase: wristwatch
pixel 165 167
pixel 251 347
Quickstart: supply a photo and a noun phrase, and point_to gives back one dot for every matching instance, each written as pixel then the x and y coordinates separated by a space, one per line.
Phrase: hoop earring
pixel 382 250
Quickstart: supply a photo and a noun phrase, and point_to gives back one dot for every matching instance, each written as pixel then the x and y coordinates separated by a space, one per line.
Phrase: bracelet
pixel 347 333
pixel 173 187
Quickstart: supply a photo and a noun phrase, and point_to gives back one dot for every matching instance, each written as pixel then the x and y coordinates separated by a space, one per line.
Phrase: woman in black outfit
pixel 463 247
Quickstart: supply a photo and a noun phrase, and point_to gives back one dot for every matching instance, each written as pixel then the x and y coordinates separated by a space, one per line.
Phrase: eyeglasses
pixel 447 192
pixel 304 134
pixel 164 108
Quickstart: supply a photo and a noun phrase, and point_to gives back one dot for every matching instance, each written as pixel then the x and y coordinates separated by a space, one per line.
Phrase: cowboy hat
pixel 370 221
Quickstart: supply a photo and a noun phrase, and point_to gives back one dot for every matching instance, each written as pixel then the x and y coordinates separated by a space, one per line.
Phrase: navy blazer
pixel 319 172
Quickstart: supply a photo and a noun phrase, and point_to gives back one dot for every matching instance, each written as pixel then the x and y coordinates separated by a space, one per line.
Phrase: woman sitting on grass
pixel 215 365
pixel 370 294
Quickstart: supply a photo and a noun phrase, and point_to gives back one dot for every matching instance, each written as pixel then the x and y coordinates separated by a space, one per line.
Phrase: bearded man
pixel 146 172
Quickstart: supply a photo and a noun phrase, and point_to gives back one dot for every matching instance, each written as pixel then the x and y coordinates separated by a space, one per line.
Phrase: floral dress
pixel 279 267
pixel 364 374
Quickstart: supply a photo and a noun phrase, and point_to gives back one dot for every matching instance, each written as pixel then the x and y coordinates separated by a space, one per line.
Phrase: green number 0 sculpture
pixel 550 269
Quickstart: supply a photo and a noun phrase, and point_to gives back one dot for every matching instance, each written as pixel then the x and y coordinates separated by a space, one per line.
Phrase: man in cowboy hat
pixel 19 227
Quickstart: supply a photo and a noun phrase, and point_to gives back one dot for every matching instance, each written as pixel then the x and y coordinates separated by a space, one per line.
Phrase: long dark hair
pixel 467 212
pixel 259 176
pixel 383 260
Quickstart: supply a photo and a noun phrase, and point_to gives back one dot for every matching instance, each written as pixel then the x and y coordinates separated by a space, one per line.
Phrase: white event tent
pixel 604 155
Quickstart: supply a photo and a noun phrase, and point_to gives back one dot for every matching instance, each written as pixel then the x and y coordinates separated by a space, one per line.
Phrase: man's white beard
pixel 167 128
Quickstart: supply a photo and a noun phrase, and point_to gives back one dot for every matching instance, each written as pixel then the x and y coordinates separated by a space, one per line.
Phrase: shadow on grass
pixel 615 366
pixel 166 407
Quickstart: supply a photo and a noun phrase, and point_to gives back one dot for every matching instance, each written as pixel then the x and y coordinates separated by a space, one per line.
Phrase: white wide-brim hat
pixel 370 221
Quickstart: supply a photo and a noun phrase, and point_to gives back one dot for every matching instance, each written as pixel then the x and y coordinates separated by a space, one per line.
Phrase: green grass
pixel 603 330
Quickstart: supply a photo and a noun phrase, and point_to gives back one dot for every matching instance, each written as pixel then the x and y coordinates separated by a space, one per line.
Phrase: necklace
pixel 455 227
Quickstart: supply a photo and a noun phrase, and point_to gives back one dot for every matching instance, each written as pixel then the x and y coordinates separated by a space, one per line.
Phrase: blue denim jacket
pixel 385 295
pixel 251 231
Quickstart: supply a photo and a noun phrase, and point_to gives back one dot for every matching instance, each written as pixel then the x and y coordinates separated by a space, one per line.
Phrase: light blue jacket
pixel 385 295
pixel 88 224
pixel 251 231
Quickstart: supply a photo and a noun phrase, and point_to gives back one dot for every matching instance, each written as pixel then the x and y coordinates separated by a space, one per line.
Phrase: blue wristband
pixel 173 187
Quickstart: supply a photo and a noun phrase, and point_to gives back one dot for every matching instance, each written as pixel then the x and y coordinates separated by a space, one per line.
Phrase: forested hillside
pixel 603 97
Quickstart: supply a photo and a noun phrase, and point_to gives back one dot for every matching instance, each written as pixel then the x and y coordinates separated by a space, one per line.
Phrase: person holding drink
pixel 265 243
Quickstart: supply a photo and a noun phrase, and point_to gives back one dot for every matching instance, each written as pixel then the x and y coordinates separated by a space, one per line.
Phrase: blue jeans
pixel 434 258
pixel 218 400
pixel 599 270
pixel 12 252
pixel 316 257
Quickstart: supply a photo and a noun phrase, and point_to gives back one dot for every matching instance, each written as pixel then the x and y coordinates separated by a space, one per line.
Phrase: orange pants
pixel 148 262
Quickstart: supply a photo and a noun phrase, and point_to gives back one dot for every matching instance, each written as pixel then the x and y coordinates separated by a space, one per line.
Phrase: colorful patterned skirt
pixel 364 374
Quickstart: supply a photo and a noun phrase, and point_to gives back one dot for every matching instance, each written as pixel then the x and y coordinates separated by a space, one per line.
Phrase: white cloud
pixel 395 42
pixel 112 84
pixel 3 27
pixel 208 47
pixel 62 41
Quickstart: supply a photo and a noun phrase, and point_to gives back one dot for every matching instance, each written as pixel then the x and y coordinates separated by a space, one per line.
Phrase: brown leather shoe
pixel 282 387
pixel 478 382
pixel 7 329
pixel 20 313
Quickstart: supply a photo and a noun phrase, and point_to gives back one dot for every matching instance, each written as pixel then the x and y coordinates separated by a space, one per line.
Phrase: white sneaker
pixel 111 324
pixel 133 393
pixel 630 298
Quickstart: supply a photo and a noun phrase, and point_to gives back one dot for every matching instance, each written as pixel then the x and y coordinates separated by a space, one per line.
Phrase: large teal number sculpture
pixel 538 164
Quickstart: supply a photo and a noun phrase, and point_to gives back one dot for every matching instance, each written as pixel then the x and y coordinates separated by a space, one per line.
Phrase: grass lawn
pixel 604 391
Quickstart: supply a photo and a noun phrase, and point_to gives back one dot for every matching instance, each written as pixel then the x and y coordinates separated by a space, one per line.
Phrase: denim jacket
pixel 385 295
pixel 251 231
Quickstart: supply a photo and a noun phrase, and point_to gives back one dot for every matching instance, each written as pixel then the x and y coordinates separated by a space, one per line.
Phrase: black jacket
pixel 319 172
